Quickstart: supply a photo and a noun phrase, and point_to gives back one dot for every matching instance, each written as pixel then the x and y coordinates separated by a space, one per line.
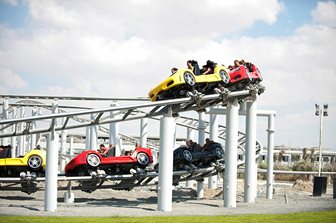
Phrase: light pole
pixel 321 112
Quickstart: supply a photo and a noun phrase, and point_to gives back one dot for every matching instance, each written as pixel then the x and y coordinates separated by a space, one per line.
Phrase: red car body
pixel 243 75
pixel 88 160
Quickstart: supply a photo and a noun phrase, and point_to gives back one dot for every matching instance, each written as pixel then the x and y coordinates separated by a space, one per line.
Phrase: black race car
pixel 197 156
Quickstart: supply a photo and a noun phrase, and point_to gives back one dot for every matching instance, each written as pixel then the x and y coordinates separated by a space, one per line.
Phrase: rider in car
pixel 103 150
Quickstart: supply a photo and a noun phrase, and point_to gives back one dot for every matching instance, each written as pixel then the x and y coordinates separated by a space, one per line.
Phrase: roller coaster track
pixel 196 102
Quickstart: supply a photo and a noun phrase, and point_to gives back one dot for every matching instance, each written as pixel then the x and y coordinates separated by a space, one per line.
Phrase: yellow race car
pixel 184 80
pixel 33 161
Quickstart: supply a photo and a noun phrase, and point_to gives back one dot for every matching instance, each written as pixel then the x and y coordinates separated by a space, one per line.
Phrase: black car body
pixel 197 156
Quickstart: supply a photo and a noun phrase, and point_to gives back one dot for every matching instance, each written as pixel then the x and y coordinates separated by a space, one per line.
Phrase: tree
pixel 305 154
pixel 312 155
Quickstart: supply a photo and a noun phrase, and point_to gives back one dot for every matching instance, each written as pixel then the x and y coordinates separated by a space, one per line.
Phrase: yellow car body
pixel 34 161
pixel 178 83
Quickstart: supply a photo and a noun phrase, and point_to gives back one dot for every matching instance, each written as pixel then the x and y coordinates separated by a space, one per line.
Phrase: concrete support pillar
pixel 114 133
pixel 143 132
pixel 250 177
pixel 190 135
pixel 71 149
pixel 50 203
pixel 167 130
pixel 212 180
pixel 14 138
pixel 63 150
pixel 200 189
pixel 201 141
pixel 87 138
pixel 5 115
pixel 201 128
pixel 22 139
pixel 33 126
pixel 270 146
pixel 231 144
pixel 93 135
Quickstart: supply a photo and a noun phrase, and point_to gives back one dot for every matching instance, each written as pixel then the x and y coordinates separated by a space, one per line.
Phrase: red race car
pixel 243 75
pixel 93 160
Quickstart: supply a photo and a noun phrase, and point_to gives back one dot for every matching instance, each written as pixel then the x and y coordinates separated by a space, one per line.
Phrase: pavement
pixel 142 201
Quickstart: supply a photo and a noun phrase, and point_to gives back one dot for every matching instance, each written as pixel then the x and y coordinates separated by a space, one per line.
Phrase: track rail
pixel 196 102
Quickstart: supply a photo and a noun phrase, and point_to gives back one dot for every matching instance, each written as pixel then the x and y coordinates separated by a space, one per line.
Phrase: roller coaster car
pixel 242 75
pixel 33 161
pixel 198 156
pixel 184 80
pixel 90 160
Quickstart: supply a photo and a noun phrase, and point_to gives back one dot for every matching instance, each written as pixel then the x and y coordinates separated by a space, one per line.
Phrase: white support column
pixel 270 146
pixel 71 149
pixel 63 150
pixel 201 128
pixel 201 141
pixel 87 138
pixel 5 115
pixel 52 165
pixel 190 135
pixel 50 203
pixel 93 135
pixel 231 144
pixel 250 177
pixel 212 180
pixel 33 126
pixel 143 132
pixel 200 189
pixel 167 130
pixel 22 139
pixel 114 133
pixel 13 139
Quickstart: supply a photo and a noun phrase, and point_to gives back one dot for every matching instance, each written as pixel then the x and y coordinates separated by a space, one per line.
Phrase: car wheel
pixel 187 156
pixel 218 152
pixel 142 159
pixel 224 76
pixel 189 78
pixel 93 160
pixel 35 162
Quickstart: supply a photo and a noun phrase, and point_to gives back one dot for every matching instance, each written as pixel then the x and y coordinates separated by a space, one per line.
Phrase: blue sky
pixel 114 49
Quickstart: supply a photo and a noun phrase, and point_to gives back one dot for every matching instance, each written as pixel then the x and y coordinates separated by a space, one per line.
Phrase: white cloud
pixel 10 81
pixel 325 13
pixel 52 13
pixel 12 2
pixel 124 48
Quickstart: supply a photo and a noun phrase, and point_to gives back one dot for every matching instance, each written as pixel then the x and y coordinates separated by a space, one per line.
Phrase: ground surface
pixel 143 202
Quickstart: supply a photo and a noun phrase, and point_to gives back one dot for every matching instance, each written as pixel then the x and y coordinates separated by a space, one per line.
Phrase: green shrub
pixel 303 166
pixel 329 168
